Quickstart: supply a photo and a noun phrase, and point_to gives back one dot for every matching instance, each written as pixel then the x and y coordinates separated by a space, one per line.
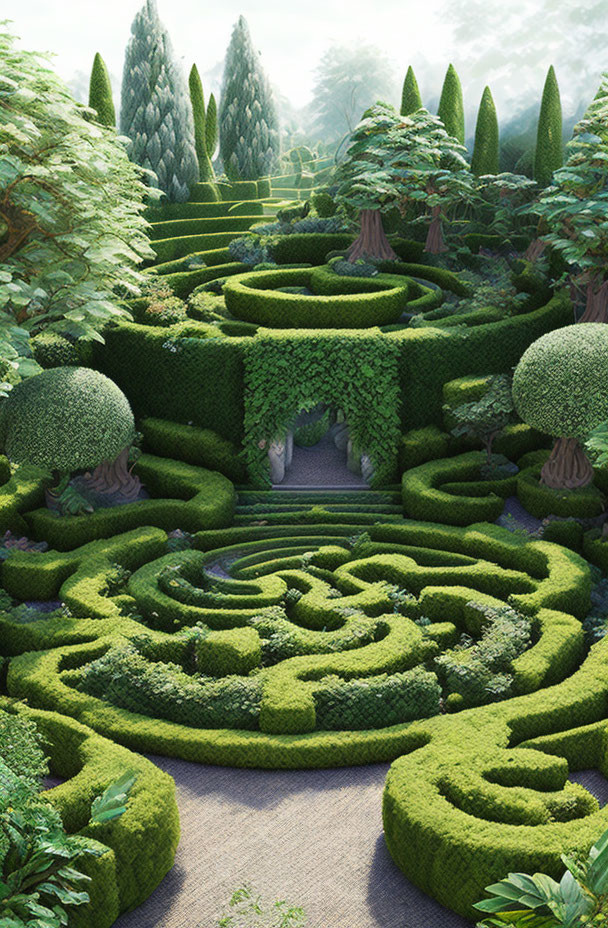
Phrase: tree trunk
pixel 114 478
pixel 597 302
pixel 371 241
pixel 568 467
pixel 434 240
pixel 534 250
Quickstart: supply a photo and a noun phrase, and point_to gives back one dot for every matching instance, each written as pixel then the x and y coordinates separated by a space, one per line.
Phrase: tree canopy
pixel 71 229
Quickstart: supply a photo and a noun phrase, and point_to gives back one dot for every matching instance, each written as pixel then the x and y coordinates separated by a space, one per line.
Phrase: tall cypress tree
pixel 485 152
pixel 549 154
pixel 211 127
pixel 197 99
pixel 248 124
pixel 100 93
pixel 451 106
pixel 410 95
pixel 156 114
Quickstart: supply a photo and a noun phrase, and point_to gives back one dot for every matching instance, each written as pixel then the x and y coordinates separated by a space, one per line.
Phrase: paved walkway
pixel 323 465
pixel 312 837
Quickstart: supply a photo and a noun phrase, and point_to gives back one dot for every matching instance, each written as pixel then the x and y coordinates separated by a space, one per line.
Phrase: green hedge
pixel 194 445
pixel 177 228
pixel 541 501
pixel 141 843
pixel 338 302
pixel 184 496
pixel 309 247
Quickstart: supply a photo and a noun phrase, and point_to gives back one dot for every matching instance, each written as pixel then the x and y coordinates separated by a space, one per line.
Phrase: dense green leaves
pixel 70 202
pixel 100 93
pixel 549 155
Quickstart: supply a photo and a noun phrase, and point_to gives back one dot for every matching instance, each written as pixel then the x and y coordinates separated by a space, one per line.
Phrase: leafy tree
pixel 575 208
pixel 555 390
pixel 348 80
pixel 538 901
pixel 451 106
pixel 100 93
pixel 156 114
pixel 70 202
pixel 197 99
pixel 410 95
pixel 485 152
pixel 549 155
pixel 395 161
pixel 248 124
pixel 484 419
pixel 211 134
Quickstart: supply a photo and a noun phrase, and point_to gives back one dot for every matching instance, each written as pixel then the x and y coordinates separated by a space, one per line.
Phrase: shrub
pixel 68 418
pixel 53 350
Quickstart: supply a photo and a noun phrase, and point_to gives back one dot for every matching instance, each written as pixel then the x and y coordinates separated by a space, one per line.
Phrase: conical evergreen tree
pixel 248 124
pixel 211 127
pixel 156 113
pixel 197 99
pixel 410 95
pixel 485 152
pixel 100 93
pixel 451 106
pixel 549 154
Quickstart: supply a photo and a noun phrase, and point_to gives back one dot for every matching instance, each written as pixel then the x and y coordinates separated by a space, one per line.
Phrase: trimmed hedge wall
pixel 141 843
pixel 201 447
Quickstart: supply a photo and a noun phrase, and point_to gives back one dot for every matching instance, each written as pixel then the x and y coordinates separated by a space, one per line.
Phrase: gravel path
pixel 312 837
pixel 322 465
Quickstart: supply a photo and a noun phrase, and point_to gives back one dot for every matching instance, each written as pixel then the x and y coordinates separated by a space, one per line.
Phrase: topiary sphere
pixel 560 385
pixel 66 419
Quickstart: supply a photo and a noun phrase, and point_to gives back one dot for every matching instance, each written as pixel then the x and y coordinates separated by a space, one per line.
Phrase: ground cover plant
pixel 161 593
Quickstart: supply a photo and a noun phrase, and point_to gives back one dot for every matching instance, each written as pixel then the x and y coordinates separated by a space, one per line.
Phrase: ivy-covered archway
pixel 357 372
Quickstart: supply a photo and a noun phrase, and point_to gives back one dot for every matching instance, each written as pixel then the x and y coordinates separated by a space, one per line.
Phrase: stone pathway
pixel 312 837
pixel 322 465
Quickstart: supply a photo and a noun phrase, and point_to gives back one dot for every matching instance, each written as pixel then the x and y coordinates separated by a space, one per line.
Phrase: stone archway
pixel 333 459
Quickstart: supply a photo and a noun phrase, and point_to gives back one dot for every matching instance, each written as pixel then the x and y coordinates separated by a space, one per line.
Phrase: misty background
pixel 355 54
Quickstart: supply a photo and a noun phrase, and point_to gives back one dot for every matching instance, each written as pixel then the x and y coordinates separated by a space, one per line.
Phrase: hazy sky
pixel 292 36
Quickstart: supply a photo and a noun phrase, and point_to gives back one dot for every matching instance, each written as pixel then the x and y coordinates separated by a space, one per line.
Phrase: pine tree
pixel 410 96
pixel 451 106
pixel 156 114
pixel 211 127
pixel 549 151
pixel 100 93
pixel 197 99
pixel 485 152
pixel 248 124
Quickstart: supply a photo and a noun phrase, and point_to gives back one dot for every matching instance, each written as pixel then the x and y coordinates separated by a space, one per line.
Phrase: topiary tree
pixel 156 114
pixel 485 152
pixel 557 390
pixel 485 418
pixel 574 209
pixel 197 98
pixel 100 93
pixel 394 161
pixel 451 106
pixel 248 123
pixel 71 231
pixel 549 152
pixel 211 133
pixel 67 419
pixel 410 95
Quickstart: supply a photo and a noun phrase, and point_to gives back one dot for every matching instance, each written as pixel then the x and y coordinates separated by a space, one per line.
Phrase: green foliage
pixel 575 207
pixel 21 749
pixel 66 419
pixel 410 95
pixel 375 702
pixel 349 372
pixel 52 350
pixel 247 910
pixel 100 93
pixel 484 418
pixel 549 153
pixel 307 435
pixel 538 901
pixel 555 384
pixel 113 801
pixel 451 107
pixel 156 113
pixel 201 447
pixel 197 98
pixel 72 232
pixel 485 152
pixel 597 444
pixel 248 124
pixel 211 130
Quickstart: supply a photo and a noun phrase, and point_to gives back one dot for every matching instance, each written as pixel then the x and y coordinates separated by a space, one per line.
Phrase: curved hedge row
pixel 337 302
pixel 140 845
